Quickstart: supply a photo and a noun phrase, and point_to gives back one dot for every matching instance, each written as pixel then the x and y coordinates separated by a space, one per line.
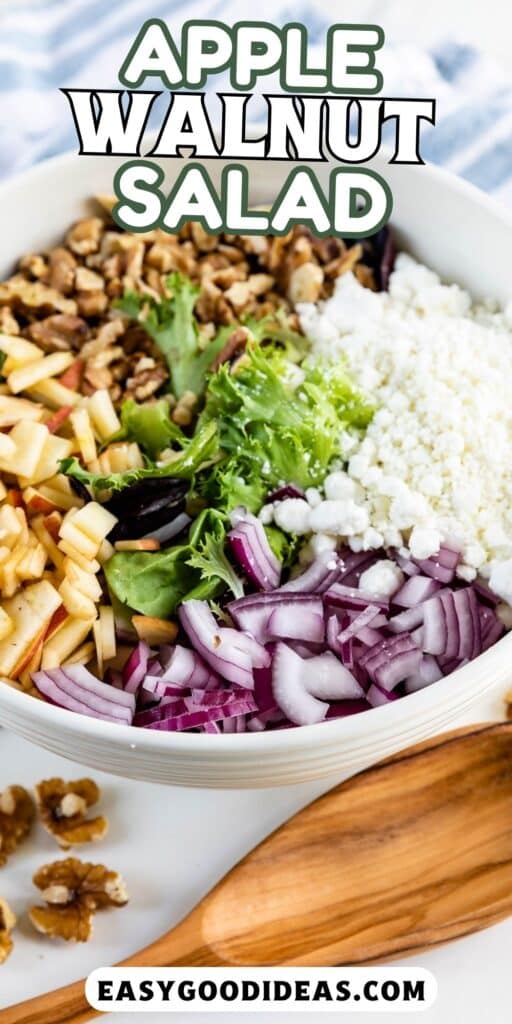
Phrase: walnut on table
pixel 7 923
pixel 63 808
pixel 73 891
pixel 17 813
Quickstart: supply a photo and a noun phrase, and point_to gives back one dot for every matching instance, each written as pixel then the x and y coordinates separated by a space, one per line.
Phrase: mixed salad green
pixel 272 418
pixel 256 640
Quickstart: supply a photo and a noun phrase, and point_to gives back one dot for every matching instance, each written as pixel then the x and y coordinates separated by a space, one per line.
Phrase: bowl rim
pixel 281 740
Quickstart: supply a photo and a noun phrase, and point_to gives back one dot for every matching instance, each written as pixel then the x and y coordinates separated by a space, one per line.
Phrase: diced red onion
pixel 363 619
pixel 408 620
pixel 195 719
pixel 211 727
pixel 78 690
pixel 452 624
pixel 318 577
pixel 185 668
pixel 484 593
pixel 354 564
pixel 434 627
pixel 407 565
pixel 259 656
pixel 216 644
pixel 491 627
pixel 415 590
pixel 369 636
pixel 347 707
pixel 253 613
pixel 286 491
pixel 441 566
pixel 350 597
pixel 391 661
pixel 377 697
pixel 252 550
pixel 327 679
pixel 303 623
pixel 136 667
pixel 290 693
pixel 428 672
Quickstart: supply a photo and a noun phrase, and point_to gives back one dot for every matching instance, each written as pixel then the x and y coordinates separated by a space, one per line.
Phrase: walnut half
pixel 17 812
pixel 7 923
pixel 63 809
pixel 73 891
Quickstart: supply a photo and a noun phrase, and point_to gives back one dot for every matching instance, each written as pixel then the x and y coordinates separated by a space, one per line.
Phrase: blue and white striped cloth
pixel 46 44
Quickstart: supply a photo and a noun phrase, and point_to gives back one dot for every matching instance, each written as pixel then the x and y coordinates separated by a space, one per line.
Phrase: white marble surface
pixel 171 845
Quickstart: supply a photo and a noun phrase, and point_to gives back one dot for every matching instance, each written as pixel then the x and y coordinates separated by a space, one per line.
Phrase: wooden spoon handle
pixel 182 946
pixel 66 1005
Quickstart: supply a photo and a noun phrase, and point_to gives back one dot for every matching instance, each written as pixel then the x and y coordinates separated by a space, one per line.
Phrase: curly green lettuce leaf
pixel 285 546
pixel 209 556
pixel 171 324
pixel 275 328
pixel 278 424
pixel 201 450
pixel 150 425
pixel 156 582
pixel 230 483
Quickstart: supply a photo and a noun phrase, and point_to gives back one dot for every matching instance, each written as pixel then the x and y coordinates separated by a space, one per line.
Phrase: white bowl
pixel 464 236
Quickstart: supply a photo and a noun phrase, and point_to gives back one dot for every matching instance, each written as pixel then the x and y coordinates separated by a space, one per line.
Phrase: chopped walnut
pixel 64 298
pixel 240 296
pixel 59 332
pixel 235 344
pixel 8 323
pixel 306 283
pixel 34 265
pixel 97 377
pixel 88 280
pixel 63 809
pixel 183 412
pixel 61 270
pixel 17 813
pixel 92 303
pixel 144 384
pixel 365 276
pixel 85 236
pixel 7 923
pixel 30 296
pixel 73 891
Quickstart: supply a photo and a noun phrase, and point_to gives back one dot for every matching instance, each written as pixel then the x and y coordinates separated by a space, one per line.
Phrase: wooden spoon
pixel 401 858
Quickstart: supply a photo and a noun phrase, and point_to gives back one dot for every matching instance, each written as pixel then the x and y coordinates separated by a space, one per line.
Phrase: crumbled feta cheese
pixel 293 515
pixel 435 463
pixel 466 573
pixel 372 539
pixel 313 496
pixel 424 542
pixel 321 542
pixel 266 514
pixel 381 580
pixel 501 580
pixel 343 518
pixel 339 485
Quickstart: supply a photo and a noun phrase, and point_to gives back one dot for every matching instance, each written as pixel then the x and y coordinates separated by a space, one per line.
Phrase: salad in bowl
pixel 246 482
